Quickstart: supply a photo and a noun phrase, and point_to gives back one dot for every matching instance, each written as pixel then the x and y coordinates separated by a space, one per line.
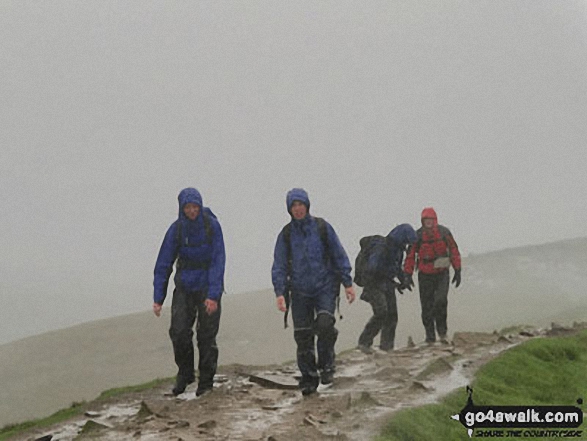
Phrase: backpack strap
pixel 208 228
pixel 286 233
pixel 178 233
pixel 323 232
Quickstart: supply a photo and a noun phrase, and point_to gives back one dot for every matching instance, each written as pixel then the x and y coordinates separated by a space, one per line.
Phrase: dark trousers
pixel 314 316
pixel 384 319
pixel 434 301
pixel 188 307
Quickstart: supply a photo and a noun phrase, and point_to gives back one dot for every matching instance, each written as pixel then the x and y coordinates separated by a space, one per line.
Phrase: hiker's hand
pixel 211 306
pixel 457 278
pixel 409 281
pixel 350 294
pixel 157 309
pixel 403 286
pixel 281 303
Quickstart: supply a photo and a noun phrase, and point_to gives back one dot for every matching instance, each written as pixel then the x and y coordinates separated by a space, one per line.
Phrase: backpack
pixel 372 261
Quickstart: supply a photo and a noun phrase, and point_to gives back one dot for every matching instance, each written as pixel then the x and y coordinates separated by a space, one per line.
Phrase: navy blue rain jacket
pixel 311 272
pixel 194 248
pixel 399 239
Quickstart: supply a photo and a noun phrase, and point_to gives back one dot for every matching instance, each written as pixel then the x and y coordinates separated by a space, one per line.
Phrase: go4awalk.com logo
pixel 520 421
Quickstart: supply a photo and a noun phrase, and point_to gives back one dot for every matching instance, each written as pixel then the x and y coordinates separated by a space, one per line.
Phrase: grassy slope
pixel 75 409
pixel 540 371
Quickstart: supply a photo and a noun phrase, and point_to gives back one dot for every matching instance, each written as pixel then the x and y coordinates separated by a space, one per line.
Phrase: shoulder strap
pixel 444 233
pixel 178 233
pixel 419 234
pixel 323 232
pixel 286 232
pixel 208 227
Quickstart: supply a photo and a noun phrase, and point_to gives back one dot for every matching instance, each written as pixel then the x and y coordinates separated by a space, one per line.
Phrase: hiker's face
pixel 191 211
pixel 298 210
pixel 428 222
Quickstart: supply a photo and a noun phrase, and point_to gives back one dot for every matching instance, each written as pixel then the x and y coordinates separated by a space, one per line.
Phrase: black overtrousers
pixel 382 299
pixel 187 307
pixel 434 301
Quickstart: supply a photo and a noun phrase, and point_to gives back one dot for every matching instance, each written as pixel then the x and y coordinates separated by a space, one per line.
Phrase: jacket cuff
pixel 215 297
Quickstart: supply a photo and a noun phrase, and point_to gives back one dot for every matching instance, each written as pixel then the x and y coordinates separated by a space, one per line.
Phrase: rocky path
pixel 263 403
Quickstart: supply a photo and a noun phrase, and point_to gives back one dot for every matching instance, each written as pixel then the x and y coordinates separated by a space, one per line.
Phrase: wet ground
pixel 262 403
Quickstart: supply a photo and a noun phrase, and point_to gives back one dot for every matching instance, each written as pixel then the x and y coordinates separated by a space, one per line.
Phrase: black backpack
pixel 373 260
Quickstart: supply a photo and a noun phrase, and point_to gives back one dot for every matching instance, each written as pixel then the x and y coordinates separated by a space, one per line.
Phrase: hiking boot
pixel 181 383
pixel 365 349
pixel 309 384
pixel 443 340
pixel 327 377
pixel 430 341
pixel 203 390
pixel 308 390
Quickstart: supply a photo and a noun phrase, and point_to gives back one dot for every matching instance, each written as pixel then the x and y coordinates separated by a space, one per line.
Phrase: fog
pixel 378 109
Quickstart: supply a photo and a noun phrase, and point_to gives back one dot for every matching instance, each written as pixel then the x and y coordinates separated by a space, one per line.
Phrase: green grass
pixel 133 389
pixel 76 409
pixel 538 372
pixel 61 415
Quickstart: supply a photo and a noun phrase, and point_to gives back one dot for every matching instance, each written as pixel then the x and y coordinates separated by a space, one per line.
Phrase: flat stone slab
pixel 274 381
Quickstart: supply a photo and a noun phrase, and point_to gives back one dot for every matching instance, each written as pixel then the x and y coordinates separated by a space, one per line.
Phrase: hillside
pixel 262 403
pixel 41 374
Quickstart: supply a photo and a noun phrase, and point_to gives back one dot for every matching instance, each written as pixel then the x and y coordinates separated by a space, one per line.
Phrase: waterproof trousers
pixel 314 316
pixel 187 307
pixel 434 301
pixel 382 299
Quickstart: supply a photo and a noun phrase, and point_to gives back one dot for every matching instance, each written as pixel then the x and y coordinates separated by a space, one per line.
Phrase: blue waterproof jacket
pixel 312 273
pixel 201 256
pixel 399 239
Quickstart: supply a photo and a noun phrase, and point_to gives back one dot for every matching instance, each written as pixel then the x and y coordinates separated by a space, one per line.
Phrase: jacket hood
pixel 186 196
pixel 403 234
pixel 297 194
pixel 429 213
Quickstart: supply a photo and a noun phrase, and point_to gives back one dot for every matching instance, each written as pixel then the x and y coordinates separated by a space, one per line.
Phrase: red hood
pixel 429 213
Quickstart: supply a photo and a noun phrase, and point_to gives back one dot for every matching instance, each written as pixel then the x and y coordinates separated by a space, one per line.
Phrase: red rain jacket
pixel 434 243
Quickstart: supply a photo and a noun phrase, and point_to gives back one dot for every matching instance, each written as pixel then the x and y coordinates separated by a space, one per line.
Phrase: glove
pixel 408 282
pixel 457 278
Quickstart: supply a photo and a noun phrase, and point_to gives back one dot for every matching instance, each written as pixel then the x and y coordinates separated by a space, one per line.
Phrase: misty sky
pixel 378 108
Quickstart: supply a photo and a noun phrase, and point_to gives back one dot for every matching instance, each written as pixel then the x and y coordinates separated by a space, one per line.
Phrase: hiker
pixel 437 251
pixel 377 267
pixel 310 263
pixel 195 241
